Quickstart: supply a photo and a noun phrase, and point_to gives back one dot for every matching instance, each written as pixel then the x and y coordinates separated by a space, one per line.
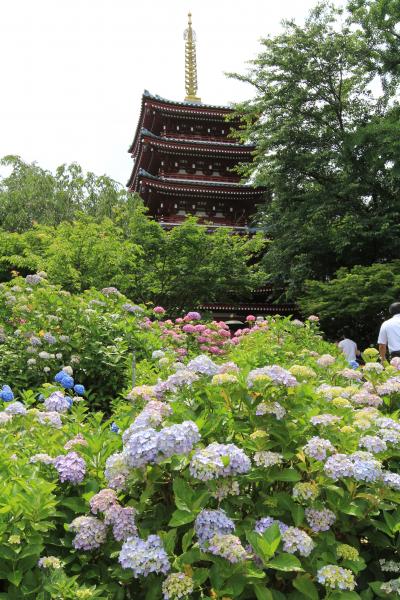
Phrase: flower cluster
pixel 227 546
pixel 219 460
pixel 318 448
pixel 90 533
pixel 71 467
pixel 177 586
pixel 336 578
pixel 320 520
pixel 211 522
pixel 144 556
pixel 297 540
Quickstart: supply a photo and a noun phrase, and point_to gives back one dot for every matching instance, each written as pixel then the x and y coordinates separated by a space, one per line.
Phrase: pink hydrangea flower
pixel 159 310
pixel 250 318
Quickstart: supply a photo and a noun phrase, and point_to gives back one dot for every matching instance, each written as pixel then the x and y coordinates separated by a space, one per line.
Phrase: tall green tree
pixel 321 150
pixel 30 194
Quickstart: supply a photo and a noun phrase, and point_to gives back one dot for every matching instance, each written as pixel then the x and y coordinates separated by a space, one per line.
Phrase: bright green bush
pixel 272 468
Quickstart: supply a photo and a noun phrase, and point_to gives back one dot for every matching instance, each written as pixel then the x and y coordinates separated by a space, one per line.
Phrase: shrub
pixel 270 474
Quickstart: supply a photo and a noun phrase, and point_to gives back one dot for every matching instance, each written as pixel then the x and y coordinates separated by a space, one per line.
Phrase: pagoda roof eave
pixel 183 106
pixel 199 186
pixel 191 144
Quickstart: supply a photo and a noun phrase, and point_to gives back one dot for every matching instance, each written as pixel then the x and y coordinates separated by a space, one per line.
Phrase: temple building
pixel 184 164
pixel 184 159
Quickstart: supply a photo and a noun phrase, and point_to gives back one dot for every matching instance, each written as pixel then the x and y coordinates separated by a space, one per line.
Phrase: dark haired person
pixel 389 334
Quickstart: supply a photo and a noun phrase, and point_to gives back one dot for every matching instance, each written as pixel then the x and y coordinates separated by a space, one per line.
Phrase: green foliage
pixel 30 194
pixel 327 148
pixel 356 298
pixel 36 509
pixel 179 269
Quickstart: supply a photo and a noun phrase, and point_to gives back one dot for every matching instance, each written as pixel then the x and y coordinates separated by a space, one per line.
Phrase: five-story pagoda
pixel 184 159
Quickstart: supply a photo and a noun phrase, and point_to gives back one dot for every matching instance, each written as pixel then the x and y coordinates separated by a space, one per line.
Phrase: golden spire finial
pixel 190 63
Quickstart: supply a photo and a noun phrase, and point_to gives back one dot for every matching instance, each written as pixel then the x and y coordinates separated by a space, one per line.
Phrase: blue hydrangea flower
pixel 67 382
pixel 211 522
pixel 6 393
pixel 144 556
pixel 114 427
pixel 79 389
pixel 15 408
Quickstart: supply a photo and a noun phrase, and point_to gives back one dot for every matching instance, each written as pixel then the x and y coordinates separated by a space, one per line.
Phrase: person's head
pixel 394 309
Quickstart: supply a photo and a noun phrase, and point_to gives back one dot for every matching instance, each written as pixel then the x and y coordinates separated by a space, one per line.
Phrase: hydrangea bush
pixel 267 472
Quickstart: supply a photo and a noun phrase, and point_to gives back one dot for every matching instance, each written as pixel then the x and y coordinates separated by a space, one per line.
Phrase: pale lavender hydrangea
pixel 77 440
pixel 227 546
pixel 204 365
pixel 372 443
pixel 57 402
pixel 219 460
pixel 365 398
pixel 390 386
pixel 177 586
pixel 265 522
pixel 226 488
pixel 152 415
pixel 5 418
pixel 90 533
pixel 178 439
pixel 15 408
pixel 141 448
pixel 326 360
pixel 211 522
pixel 297 540
pixel 51 418
pixel 122 521
pixel 318 448
pixel 49 338
pixel 34 279
pixel 103 500
pixel 71 467
pixel 338 466
pixel 275 373
pixel 392 480
pixel 325 419
pixel 175 381
pixel 144 556
pixel 43 458
pixel 265 458
pixel 390 435
pixel 116 471
pixel 320 520
pixel 387 423
pixel 272 408
pixel 336 578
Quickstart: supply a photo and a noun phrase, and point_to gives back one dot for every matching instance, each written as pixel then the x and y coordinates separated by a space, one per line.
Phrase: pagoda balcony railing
pixel 196 176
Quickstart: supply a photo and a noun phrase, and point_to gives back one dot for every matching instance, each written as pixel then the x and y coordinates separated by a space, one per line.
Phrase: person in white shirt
pixel 349 348
pixel 389 334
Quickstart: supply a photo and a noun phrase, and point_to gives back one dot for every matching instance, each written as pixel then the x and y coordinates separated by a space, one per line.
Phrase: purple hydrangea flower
pixel 204 365
pixel 262 524
pixel 211 522
pixel 103 500
pixel 90 533
pixel 116 471
pixel 122 521
pixel 219 460
pixel 16 408
pixel 392 480
pixel 57 402
pixel 320 520
pixel 144 556
pixel 51 418
pixel 324 420
pixel 141 448
pixel 318 448
pixel 178 439
pixel 71 467
pixel 227 546
pixel 372 443
pixel 272 408
pixel 275 373
pixel 297 540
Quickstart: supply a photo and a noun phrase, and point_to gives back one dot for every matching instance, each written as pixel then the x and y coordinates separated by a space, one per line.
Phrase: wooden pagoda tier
pixel 184 164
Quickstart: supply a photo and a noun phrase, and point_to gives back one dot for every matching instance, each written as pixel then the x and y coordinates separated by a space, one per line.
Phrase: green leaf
pixel 15 577
pixel 187 539
pixel 181 517
pixel 262 593
pixel 290 475
pixel 304 584
pixel 265 545
pixel 200 576
pixel 183 494
pixel 285 562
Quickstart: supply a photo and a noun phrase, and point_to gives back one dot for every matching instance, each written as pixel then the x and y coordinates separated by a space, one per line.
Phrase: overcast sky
pixel 73 71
